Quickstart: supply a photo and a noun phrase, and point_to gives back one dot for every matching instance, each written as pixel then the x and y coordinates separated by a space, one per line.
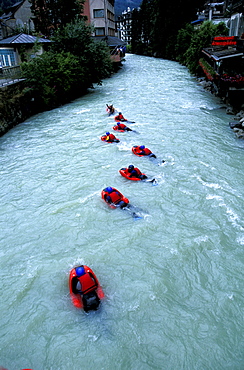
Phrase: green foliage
pixel 159 23
pixel 183 41
pixel 51 15
pixel 208 69
pixel 94 56
pixel 53 76
pixel 201 38
pixel 73 65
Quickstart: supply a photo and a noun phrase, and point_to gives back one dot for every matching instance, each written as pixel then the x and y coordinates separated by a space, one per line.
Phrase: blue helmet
pixel 80 271
pixel 107 133
pixel 131 167
pixel 109 189
pixel 118 123
pixel 142 147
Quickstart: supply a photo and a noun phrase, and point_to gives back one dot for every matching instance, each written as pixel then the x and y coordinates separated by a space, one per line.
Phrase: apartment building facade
pixel 100 13
pixel 123 26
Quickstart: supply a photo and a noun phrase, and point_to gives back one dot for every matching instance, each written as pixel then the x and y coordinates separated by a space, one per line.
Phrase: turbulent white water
pixel 173 280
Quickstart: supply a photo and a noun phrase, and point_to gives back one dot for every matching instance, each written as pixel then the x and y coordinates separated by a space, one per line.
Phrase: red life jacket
pixel 147 151
pixel 121 126
pixel 88 283
pixel 111 137
pixel 115 197
pixel 119 117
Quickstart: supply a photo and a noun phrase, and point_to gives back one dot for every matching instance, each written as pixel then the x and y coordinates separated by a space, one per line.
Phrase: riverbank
pixel 16 105
pixel 232 110
pixel 18 102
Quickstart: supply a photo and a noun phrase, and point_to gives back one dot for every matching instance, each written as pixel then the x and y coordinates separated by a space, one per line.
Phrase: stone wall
pixel 16 105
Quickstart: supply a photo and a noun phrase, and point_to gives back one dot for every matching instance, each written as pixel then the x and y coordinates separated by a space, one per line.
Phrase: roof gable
pixel 23 38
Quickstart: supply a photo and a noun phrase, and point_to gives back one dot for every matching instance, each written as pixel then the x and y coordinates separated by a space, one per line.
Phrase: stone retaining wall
pixel 15 106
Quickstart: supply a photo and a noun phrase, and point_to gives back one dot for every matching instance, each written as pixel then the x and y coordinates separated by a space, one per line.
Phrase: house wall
pixel 23 16
pixel 21 20
pixel 236 25
pixel 100 14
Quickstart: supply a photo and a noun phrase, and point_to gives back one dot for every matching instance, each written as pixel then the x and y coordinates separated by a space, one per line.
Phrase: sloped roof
pixel 12 9
pixel 221 53
pixel 22 38
pixel 110 40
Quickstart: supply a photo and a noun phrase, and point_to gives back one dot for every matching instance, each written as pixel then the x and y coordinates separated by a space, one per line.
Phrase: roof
pixel 22 38
pixel 221 53
pixel 9 12
pixel 110 40
pixel 198 21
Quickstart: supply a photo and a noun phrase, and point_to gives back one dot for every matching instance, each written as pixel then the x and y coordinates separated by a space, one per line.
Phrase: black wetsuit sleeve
pixel 74 284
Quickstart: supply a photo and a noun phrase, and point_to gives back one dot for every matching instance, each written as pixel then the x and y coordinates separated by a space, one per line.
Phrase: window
pixel 7 57
pixel 110 15
pixel 100 31
pixel 98 13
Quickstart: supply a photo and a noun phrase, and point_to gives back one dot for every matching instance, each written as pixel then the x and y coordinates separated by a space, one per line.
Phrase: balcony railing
pixel 9 75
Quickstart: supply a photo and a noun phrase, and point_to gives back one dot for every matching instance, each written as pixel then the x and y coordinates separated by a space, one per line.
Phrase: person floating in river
pixel 110 109
pixel 110 138
pixel 121 127
pixel 135 172
pixel 141 150
pixel 85 289
pixel 113 197
pixel 120 117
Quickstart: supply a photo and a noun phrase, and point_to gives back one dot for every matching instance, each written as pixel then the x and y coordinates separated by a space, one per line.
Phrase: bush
pixel 199 39
pixel 74 63
pixel 54 78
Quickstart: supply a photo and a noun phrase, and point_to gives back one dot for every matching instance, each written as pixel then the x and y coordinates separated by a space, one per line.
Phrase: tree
pixel 73 64
pixel 53 14
pixel 161 22
pixel 75 38
pixel 200 39
pixel 183 41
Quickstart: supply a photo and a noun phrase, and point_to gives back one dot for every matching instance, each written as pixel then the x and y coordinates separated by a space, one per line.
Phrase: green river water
pixel 173 280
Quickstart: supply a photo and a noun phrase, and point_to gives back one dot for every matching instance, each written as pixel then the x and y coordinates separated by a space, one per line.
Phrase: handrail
pixel 13 71
pixel 9 75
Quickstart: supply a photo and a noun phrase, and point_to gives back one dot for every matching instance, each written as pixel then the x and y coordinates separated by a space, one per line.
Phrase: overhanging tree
pixel 49 15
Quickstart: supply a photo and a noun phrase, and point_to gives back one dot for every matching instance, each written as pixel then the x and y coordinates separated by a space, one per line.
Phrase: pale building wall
pixel 100 14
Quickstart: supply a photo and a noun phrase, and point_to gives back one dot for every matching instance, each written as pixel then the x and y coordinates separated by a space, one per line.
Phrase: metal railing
pixel 9 75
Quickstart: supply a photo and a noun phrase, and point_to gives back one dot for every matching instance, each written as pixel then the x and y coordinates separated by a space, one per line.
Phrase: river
pixel 173 280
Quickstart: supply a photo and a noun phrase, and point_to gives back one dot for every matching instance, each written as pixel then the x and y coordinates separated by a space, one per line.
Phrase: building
pixel 12 47
pixel 223 61
pixel 18 16
pixel 123 26
pixel 100 14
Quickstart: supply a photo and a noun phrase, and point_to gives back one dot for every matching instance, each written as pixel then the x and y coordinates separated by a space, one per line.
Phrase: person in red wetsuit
pixel 135 172
pixel 120 126
pixel 113 196
pixel 111 138
pixel 141 150
pixel 85 283
pixel 120 117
